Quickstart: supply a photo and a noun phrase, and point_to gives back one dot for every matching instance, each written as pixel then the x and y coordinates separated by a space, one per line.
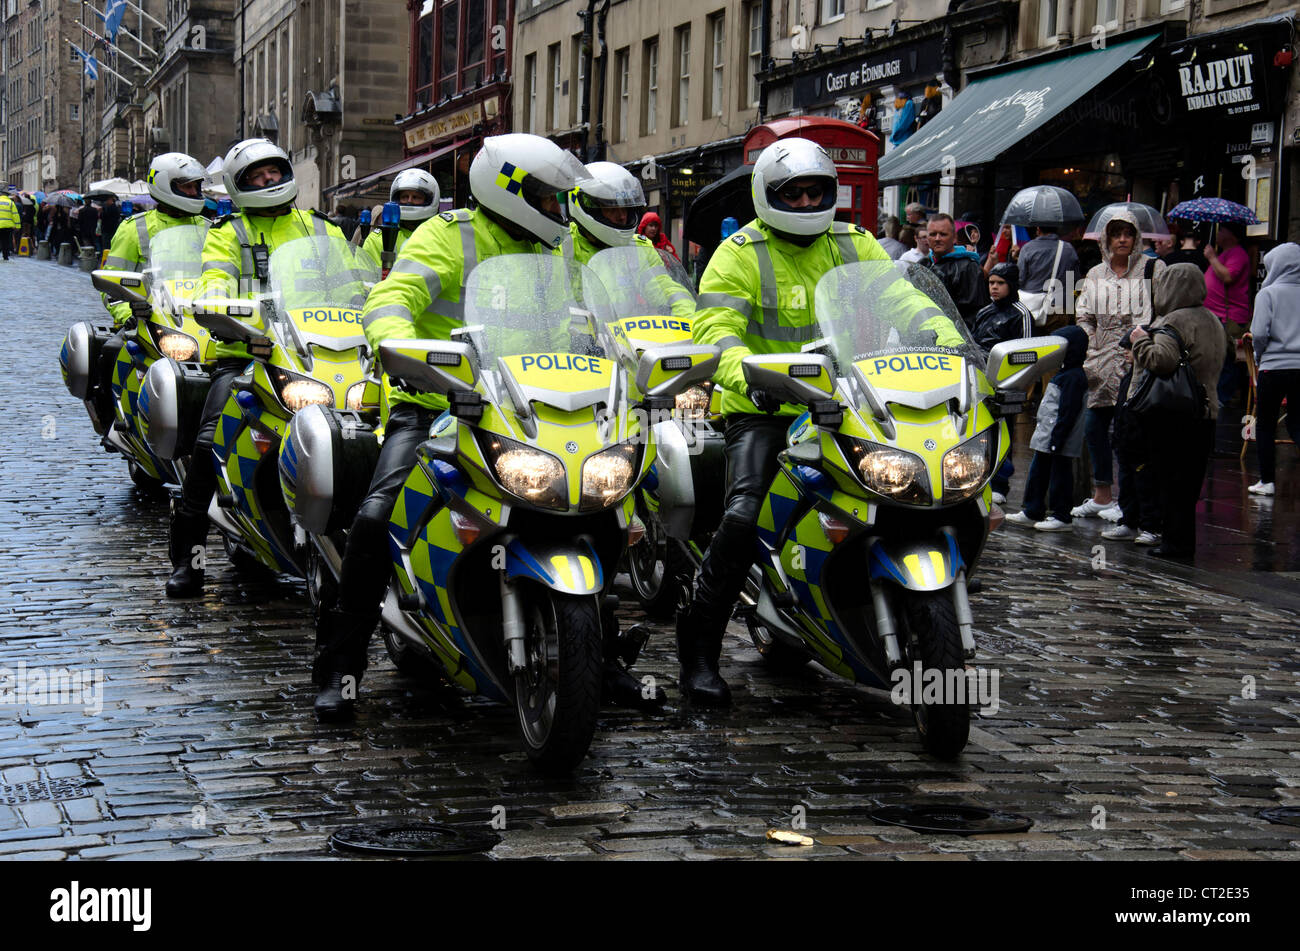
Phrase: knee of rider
pixel 742 511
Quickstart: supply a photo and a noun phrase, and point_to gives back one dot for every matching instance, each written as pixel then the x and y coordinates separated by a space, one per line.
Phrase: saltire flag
pixel 113 18
pixel 91 64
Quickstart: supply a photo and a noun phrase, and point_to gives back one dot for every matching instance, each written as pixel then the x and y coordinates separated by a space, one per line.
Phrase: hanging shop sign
pixel 905 66
pixel 444 127
pixel 1228 75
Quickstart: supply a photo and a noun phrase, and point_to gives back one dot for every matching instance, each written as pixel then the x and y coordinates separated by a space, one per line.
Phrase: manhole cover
pixel 413 840
pixel 953 820
pixel 13 794
pixel 1282 815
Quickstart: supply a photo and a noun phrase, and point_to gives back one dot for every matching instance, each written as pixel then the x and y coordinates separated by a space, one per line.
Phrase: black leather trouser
pixel 752 445
pixel 190 519
pixel 365 573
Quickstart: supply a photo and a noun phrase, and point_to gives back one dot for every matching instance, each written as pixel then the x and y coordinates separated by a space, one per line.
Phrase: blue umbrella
pixel 1213 209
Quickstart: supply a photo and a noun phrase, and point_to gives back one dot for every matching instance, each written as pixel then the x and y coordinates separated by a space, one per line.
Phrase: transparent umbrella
pixel 1042 205
pixel 1150 222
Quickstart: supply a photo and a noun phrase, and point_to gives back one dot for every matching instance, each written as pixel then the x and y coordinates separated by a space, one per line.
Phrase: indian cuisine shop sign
pixel 1229 76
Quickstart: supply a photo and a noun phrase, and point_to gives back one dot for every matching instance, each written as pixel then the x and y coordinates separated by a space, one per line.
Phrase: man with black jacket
pixel 958 268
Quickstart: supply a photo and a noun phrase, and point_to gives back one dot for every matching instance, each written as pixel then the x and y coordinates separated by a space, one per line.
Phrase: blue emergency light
pixel 364 217
pixel 128 209
pixel 392 216
pixel 224 207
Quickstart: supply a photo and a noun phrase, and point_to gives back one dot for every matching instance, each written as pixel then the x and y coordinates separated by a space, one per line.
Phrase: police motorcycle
pixel 308 349
pixel 680 500
pixel 506 533
pixel 170 332
pixel 881 506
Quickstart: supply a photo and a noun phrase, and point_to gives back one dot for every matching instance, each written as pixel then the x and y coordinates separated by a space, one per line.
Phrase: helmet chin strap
pixel 802 240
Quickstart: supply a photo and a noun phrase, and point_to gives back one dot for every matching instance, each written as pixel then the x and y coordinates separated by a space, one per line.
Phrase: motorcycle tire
pixel 322 586
pixel 408 660
pixel 147 484
pixel 241 559
pixel 557 695
pixel 932 620
pixel 655 564
pixel 778 656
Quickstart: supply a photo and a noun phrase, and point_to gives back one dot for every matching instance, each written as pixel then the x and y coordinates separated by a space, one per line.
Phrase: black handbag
pixel 1178 396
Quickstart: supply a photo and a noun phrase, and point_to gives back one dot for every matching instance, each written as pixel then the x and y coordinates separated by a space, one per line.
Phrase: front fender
pixel 569 567
pixel 929 565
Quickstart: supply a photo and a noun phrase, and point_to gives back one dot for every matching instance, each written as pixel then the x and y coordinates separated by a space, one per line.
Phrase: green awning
pixel 992 115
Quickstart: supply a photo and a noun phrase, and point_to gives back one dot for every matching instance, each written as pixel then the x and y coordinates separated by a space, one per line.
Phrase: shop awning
pixel 991 115
pixel 347 189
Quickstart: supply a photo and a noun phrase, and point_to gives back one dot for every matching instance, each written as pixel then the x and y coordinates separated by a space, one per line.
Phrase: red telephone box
pixel 853 149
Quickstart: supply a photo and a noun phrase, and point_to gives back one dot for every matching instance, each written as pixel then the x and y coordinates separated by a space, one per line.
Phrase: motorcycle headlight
pixel 180 347
pixel 356 394
pixel 890 472
pixel 532 475
pixel 693 403
pixel 607 476
pixel 299 392
pixel 966 467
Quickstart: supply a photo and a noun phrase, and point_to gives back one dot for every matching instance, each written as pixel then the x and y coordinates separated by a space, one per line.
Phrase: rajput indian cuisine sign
pixel 1229 75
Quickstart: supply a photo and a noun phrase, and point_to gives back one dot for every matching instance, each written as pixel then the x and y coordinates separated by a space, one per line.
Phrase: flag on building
pixel 91 65
pixel 113 18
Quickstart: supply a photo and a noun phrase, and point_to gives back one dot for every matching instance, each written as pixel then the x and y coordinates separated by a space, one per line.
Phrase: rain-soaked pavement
pixel 1145 711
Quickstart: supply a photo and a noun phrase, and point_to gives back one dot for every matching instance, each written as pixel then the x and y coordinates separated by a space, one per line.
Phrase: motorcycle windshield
pixel 870 308
pixel 320 271
pixel 176 258
pixel 533 303
pixel 641 281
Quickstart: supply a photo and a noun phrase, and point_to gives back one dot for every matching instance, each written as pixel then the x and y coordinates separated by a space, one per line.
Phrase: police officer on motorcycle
pixel 519 184
pixel 417 193
pixel 236 253
pixel 756 296
pixel 175 180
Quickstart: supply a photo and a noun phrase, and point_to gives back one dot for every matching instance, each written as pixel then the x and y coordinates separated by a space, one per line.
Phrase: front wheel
pixel 557 694
pixel 241 559
pixel 656 564
pixel 944 725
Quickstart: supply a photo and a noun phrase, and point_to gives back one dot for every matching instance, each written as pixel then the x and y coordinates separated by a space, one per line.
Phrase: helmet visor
pixel 552 203
pixel 623 213
pixel 805 194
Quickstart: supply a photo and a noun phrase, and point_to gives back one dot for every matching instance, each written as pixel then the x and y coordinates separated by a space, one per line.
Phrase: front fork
pixel 512 624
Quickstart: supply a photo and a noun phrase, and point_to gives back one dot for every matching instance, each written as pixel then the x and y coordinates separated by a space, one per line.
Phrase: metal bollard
pixel 65 253
pixel 43 250
pixel 89 259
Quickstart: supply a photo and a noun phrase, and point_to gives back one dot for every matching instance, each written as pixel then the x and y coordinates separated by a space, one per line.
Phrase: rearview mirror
pixel 126 287
pixel 1016 364
pixel 432 366
pixel 668 370
pixel 799 378
pixel 229 318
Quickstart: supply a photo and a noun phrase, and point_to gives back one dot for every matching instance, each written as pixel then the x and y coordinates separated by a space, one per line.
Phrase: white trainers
pixel 999 498
pixel 1120 533
pixel 1088 508
pixel 1020 518
pixel 1053 524
pixel 1111 513
pixel 1147 538
pixel 1261 488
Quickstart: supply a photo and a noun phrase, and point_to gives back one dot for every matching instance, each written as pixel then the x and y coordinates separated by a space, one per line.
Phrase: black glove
pixel 763 400
pixel 141 309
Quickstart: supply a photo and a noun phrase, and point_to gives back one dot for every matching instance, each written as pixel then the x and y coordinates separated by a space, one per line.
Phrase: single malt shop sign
pixel 1231 73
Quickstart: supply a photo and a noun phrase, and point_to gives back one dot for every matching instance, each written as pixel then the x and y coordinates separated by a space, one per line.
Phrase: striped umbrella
pixel 1213 209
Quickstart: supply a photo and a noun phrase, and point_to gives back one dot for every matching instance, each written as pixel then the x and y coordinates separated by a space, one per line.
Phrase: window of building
pixel 555 91
pixel 682 43
pixel 577 74
pixel 831 10
pixel 622 69
pixel 878 4
pixel 530 90
pixel 74 112
pixel 753 61
pixel 424 62
pixel 448 32
pixel 1108 13
pixel 497 39
pixel 1172 6
pixel 650 78
pixel 1047 20
pixel 718 46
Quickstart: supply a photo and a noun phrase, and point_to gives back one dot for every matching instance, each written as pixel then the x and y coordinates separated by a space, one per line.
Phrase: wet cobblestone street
pixel 1145 712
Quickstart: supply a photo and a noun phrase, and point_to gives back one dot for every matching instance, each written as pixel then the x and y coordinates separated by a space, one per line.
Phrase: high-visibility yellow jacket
pixel 10 217
pixel 229 269
pixel 129 250
pixel 374 243
pixel 756 296
pixel 664 289
pixel 421 297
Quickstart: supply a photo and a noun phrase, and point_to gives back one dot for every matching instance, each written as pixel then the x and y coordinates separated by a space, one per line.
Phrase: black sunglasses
pixel 792 193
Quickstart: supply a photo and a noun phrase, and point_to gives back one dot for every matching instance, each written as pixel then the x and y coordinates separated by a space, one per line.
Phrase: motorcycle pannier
pixel 325 467
pixel 171 406
pixel 80 353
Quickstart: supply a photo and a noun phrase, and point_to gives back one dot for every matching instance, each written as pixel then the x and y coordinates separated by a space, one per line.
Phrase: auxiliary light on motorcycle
pixel 965 467
pixel 356 396
pixel 467 530
pixel 261 441
pixel 693 403
pixel 532 475
pixel 607 476
pixel 180 347
pixel 299 392
pixel 834 530
pixel 891 472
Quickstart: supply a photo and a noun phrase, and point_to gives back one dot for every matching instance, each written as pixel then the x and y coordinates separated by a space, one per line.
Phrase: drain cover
pixel 413 840
pixel 952 820
pixel 12 794
pixel 1282 815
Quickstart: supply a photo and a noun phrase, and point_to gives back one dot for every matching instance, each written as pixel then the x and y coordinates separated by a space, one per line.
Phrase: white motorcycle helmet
pixel 244 156
pixel 511 176
pixel 416 180
pixel 782 162
pixel 611 191
pixel 167 171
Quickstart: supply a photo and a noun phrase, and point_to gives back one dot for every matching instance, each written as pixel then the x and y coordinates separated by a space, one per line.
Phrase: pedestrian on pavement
pixel 1227 284
pixel 893 247
pixel 1116 294
pixel 919 240
pixel 42 223
pixel 1185 245
pixel 1039 263
pixel 60 230
pixel 1057 442
pixel 653 228
pixel 87 223
pixel 915 212
pixel 1003 250
pixel 109 219
pixel 1005 318
pixel 1139 493
pixel 10 223
pixel 1179 447
pixel 1275 336
pixel 958 268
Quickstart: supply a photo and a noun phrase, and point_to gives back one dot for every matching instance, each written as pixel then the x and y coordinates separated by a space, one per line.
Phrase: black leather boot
pixel 337 699
pixel 619 688
pixel 341 641
pixel 185 534
pixel 699 650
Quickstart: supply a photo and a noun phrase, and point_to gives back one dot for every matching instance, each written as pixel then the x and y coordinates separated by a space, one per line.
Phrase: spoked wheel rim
pixel 316 575
pixel 647 559
pixel 535 685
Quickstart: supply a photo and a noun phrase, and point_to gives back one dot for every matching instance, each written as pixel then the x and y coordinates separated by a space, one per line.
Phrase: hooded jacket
pixel 1108 307
pixel 1059 429
pixel 964 278
pixel 1275 328
pixel 1005 319
pixel 661 242
pixel 1179 303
